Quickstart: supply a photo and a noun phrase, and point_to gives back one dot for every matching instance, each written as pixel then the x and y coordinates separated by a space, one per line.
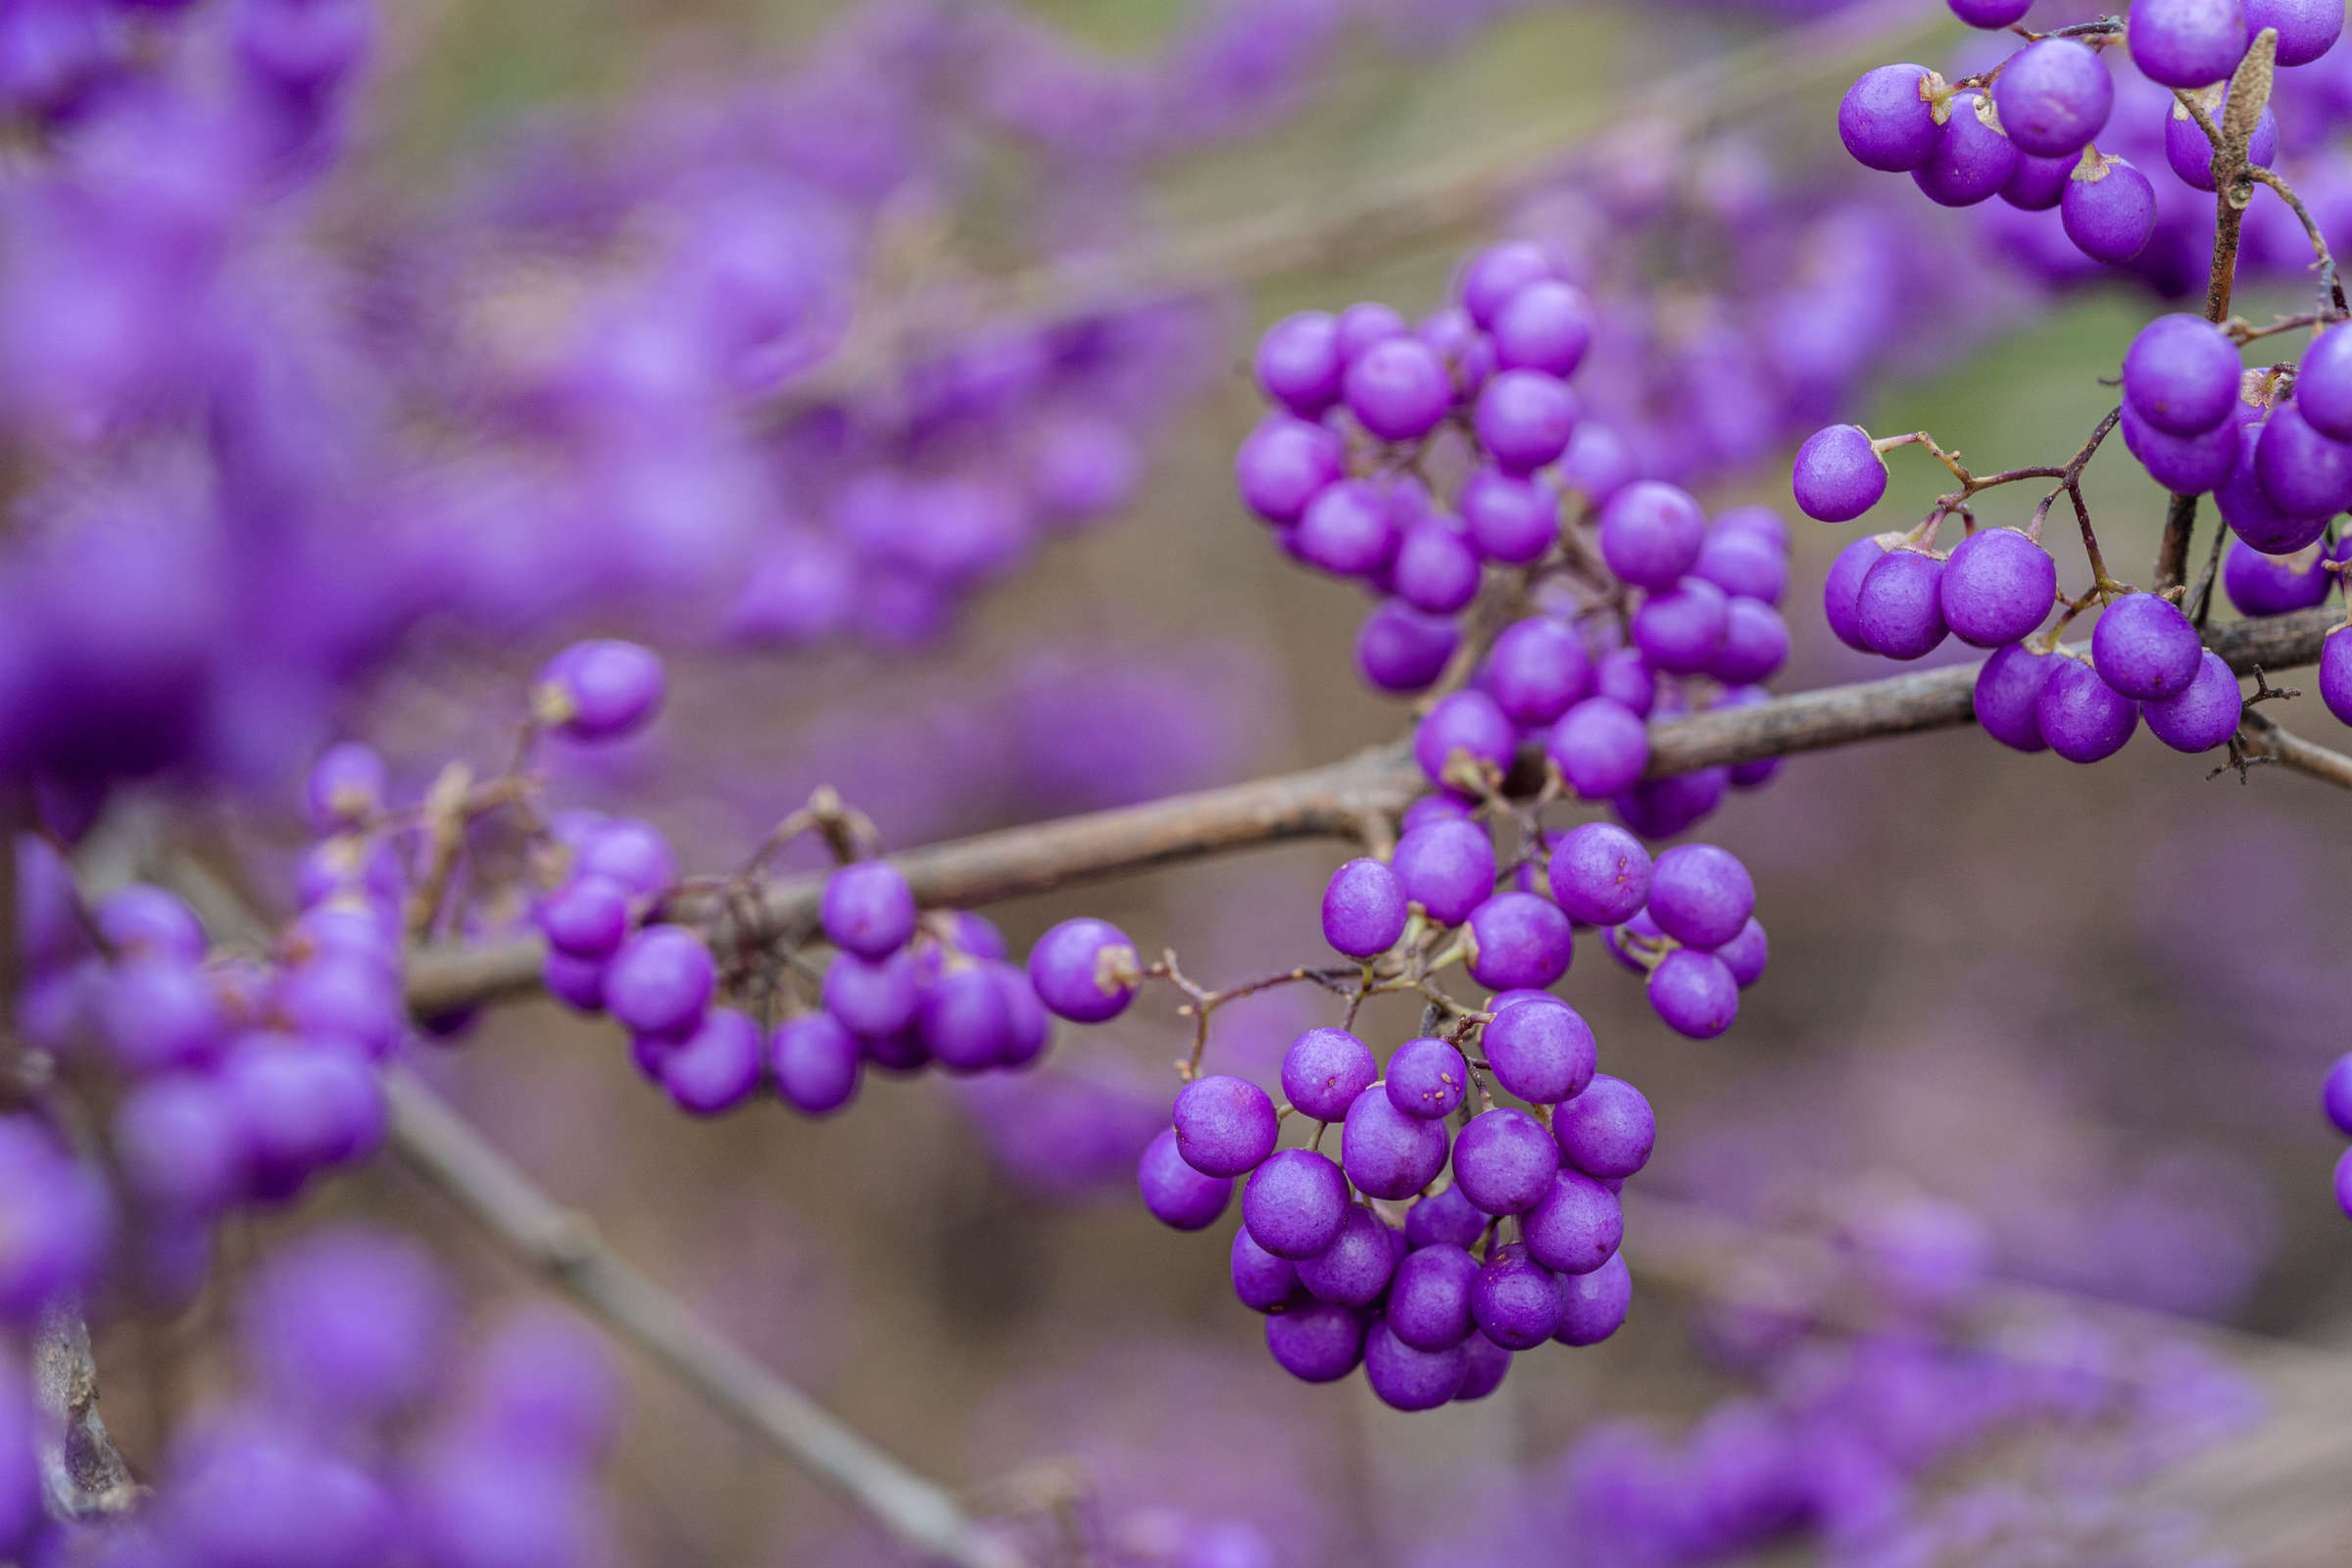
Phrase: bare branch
pixel 436 1143
pixel 2291 750
pixel 1330 802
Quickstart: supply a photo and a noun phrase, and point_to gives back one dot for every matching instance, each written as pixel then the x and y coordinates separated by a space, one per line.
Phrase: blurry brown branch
pixel 442 1147
pixel 431 1139
pixel 1445 197
pixel 2266 740
pixel 1331 802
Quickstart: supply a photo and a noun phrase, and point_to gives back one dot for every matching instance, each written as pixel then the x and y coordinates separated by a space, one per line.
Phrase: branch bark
pixel 1334 801
pixel 2291 750
pixel 439 1145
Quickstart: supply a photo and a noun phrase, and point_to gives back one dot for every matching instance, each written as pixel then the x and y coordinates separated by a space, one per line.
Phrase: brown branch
pixel 1328 801
pixel 2291 750
pixel 436 1143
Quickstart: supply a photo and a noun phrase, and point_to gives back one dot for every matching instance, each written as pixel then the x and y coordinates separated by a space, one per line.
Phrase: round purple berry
pixel 1084 970
pixel 1324 1070
pixel 1178 1196
pixel 1541 1050
pixel 1224 1125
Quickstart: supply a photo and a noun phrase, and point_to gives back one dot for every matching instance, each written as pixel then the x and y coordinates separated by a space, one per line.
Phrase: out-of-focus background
pixel 2074 1015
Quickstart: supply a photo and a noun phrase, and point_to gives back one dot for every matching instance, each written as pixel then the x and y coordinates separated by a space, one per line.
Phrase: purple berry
pixel 1523 418
pixel 717 1066
pixel 1363 908
pixel 1592 1306
pixel 1436 569
pixel 1178 1196
pixel 2335 674
pixel 868 909
pixel 1700 895
pixel 661 980
pixel 1600 873
pixel 1842 589
pixel 1504 1160
pixel 2191 155
pixel 2204 714
pixel 1224 1125
pixel 1681 631
pixel 1293 1203
pixel 2108 208
pixel 1755 644
pixel 2082 717
pixel 1900 607
pixel 2145 647
pixel 1496 275
pixel 1285 463
pixel 1426 1078
pixel 1512 518
pixel 2335 1094
pixel 1541 1050
pixel 1887 121
pixel 1445 1215
pixel 2307 29
pixel 1518 939
pixel 1838 476
pixel 1407 1378
pixel 1401 649
pixel 1263 1282
pixel 1084 970
pixel 1324 1070
pixel 1356 1267
pixel 817 1063
pixel 1746 954
pixel 1972 162
pixel 2037 184
pixel 1346 530
pixel 1545 325
pixel 1429 1298
pixel 1601 748
pixel 1398 389
pixel 1515 1299
pixel 2324 386
pixel 872 1000
pixel 1537 670
pixel 1608 1131
pixel 1298 362
pixel 1651 533
pixel 2186 465
pixel 1385 1153
pixel 2188 43
pixel 2274 585
pixel 599 690
pixel 1991 14
pixel 2302 472
pixel 1464 735
pixel 1744 563
pixel 1576 1227
pixel 1998 587
pixel 2053 96
pixel 1693 993
pixel 1316 1342
pixel 1448 867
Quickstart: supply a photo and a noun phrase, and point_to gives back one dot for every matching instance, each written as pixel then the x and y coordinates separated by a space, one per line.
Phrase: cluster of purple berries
pixel 356 1437
pixel 1427 1298
pixel 1644 609
pixel 2022 130
pixel 2335 1098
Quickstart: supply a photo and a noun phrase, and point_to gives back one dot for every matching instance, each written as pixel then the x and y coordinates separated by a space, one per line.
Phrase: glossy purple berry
pixel 1299 362
pixel 2108 208
pixel 2323 385
pixel 1608 1131
pixel 1429 1297
pixel 1991 14
pixel 1996 587
pixel 1841 591
pixel 1537 670
pixel 1594 1306
pixel 2186 465
pixel 1576 1227
pixel 1746 954
pixel 1886 119
pixel 1503 1161
pixel 1448 867
pixel 2307 29
pixel 867 908
pixel 1316 1342
pixel 717 1066
pixel 1401 649
pixel 1512 518
pixel 2335 1096
pixel 1464 735
pixel 1541 1050
pixel 1293 1203
pixel 1386 1154
pixel 1601 748
pixel 1838 476
pixel 1356 1267
pixel 2008 694
pixel 1084 970
pixel 1651 533
pixel 1518 939
pixel 1496 275
pixel 1693 994
pixel 2187 43
pixel 1363 908
pixel 1515 1299
pixel 2053 96
pixel 1523 418
pixel 2274 585
pixel 2191 155
pixel 2203 714
pixel 2145 647
pixel 1700 895
pixel 1178 1196
pixel 1398 389
pixel 1445 1215
pixel 1973 162
pixel 1286 463
pixel 661 980
pixel 817 1063
pixel 1324 1070
pixel 2082 717
pixel 599 690
pixel 1681 631
pixel 1545 325
pixel 1224 1125
pixel 2302 472
pixel 1261 1281
pixel 1436 569
pixel 1600 873
pixel 1426 1078
pixel 1755 644
pixel 1898 609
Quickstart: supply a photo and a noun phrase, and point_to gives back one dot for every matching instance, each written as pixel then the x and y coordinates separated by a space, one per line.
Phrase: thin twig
pixel 2263 738
pixel 436 1143
pixel 1331 802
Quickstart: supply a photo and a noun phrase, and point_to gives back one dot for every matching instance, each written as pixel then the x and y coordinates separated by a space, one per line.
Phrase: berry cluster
pixel 1377 1257
pixel 2335 1099
pixel 2023 129
pixel 357 1435
pixel 1429 463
